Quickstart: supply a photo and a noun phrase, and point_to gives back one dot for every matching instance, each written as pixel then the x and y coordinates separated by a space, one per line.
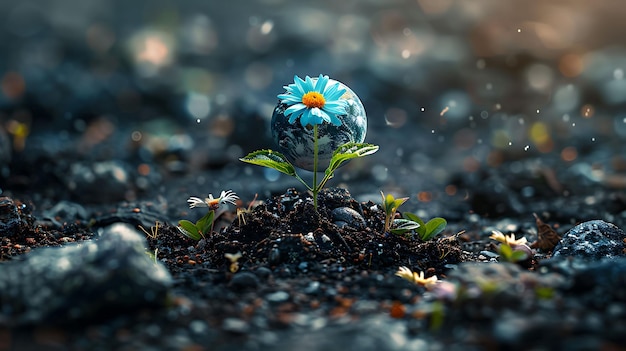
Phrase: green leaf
pixel 270 159
pixel 518 256
pixel 402 226
pixel 391 204
pixel 505 251
pixel 205 224
pixel 421 230
pixel 189 229
pixel 347 152
pixel 434 227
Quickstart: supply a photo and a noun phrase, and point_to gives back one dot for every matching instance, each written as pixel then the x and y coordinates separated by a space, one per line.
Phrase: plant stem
pixel 316 189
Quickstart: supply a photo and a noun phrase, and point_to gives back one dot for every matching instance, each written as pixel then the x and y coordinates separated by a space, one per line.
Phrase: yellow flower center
pixel 313 99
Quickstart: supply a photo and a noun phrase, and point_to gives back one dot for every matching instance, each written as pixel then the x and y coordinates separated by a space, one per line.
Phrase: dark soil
pixel 298 269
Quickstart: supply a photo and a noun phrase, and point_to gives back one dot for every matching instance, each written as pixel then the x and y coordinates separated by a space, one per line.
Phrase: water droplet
pixel 267 27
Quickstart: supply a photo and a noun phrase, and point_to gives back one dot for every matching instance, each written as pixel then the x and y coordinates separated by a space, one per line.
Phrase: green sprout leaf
pixel 347 152
pixel 205 224
pixel 270 159
pixel 421 230
pixel 390 206
pixel 189 229
pixel 434 227
pixel 402 226
pixel 508 254
pixel 429 230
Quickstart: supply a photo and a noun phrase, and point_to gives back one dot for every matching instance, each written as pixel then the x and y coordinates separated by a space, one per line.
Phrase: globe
pixel 296 142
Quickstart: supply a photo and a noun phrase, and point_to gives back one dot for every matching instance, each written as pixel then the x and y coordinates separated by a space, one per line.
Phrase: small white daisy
pixel 228 196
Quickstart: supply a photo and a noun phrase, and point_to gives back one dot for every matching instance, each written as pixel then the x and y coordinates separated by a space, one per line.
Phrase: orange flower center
pixel 313 99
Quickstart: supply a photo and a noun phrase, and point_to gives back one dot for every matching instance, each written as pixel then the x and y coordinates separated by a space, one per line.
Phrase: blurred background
pixel 107 100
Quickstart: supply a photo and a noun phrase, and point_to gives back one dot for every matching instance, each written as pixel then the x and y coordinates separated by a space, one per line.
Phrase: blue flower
pixel 314 102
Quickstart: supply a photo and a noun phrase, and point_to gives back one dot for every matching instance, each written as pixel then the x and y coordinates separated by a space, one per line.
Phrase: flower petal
pixel 335 120
pixel 308 85
pixel 294 116
pixel 336 107
pixel 300 85
pixel 334 92
pixel 295 108
pixel 320 85
pixel 320 114
pixel 289 99
pixel 196 202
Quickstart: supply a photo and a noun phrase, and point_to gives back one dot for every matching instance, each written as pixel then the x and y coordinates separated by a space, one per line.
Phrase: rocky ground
pixel 318 280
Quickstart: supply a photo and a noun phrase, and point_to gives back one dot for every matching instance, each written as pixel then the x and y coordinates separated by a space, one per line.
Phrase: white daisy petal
pixel 196 202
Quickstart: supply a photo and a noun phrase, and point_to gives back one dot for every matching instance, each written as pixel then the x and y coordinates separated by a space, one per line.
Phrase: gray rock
pixel 66 211
pixel 244 280
pixel 110 275
pixel 343 216
pixel 10 218
pixel 99 182
pixel 606 277
pixel 592 240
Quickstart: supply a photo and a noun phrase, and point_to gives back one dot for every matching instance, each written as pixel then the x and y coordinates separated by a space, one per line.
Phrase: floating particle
pixel 569 154
pixel 395 117
pixel 519 30
pixel 593 139
pixel 587 111
pixel 267 27
pixel 526 147
pixel 537 111
pixel 136 136
pixel 443 112
pixel 423 109
pixel 198 120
